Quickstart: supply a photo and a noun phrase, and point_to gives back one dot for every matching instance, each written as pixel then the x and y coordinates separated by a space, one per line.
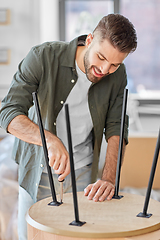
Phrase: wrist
pixel 109 177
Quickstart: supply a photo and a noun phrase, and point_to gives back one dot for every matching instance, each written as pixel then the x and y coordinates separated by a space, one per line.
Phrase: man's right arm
pixel 23 128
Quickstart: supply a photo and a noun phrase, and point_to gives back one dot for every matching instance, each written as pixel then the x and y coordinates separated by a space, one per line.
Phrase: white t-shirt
pixel 80 121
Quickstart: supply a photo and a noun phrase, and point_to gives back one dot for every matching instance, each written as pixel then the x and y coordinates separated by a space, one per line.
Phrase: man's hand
pixel 105 188
pixel 26 130
pixel 58 156
pixel 99 191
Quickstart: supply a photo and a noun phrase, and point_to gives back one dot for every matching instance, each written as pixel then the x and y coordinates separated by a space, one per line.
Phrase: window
pixel 143 66
pixel 78 17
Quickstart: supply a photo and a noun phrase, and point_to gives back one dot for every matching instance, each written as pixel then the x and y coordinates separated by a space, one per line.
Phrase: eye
pixel 100 57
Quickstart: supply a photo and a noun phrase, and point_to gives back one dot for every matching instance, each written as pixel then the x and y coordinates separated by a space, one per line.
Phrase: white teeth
pixel 97 71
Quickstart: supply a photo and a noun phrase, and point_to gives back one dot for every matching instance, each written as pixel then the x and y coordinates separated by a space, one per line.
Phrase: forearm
pixel 23 128
pixel 110 166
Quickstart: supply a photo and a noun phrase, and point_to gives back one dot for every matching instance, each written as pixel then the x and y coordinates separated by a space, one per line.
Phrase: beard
pixel 89 69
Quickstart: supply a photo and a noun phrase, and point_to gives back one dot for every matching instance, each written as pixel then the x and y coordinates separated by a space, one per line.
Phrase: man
pixel 88 73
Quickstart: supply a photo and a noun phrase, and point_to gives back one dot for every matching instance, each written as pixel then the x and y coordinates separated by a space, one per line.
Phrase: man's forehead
pixel 109 52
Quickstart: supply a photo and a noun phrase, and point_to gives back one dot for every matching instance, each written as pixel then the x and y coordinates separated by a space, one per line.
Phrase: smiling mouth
pixel 96 72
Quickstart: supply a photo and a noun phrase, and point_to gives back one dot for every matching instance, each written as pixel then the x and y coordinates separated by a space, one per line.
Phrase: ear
pixel 89 40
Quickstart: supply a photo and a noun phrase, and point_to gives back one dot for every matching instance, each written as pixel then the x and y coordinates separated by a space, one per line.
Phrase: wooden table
pixel 115 219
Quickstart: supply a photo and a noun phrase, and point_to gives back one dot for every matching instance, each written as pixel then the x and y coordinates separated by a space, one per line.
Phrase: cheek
pixel 113 69
pixel 94 61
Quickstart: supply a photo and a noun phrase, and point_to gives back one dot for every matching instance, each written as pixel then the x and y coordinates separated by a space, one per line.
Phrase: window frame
pixel 62 30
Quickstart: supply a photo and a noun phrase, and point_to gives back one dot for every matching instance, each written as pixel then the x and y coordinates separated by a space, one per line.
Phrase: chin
pixel 95 79
pixel 92 78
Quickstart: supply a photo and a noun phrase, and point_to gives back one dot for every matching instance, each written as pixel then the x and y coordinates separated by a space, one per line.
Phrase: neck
pixel 80 57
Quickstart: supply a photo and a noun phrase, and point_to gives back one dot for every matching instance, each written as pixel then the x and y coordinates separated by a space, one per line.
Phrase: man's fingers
pixel 108 193
pixel 56 163
pixel 58 155
pixel 110 196
pixel 88 189
pixel 100 190
pixel 51 159
pixel 93 190
pixel 64 173
pixel 60 164
pixel 101 193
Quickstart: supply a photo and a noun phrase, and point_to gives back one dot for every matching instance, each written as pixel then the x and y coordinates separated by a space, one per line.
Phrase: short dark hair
pixel 119 31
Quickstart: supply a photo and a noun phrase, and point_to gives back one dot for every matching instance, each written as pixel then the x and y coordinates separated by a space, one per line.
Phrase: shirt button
pixel 62 102
pixel 54 123
pixel 72 81
pixel 41 165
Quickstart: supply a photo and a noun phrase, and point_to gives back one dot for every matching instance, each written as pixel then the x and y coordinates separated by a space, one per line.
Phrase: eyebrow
pixel 115 64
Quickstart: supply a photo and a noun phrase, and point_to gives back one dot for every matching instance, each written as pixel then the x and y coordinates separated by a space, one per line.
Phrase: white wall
pixel 49 27
pixel 18 36
pixel 32 22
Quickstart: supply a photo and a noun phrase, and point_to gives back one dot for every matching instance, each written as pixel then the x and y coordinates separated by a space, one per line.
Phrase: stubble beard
pixel 88 69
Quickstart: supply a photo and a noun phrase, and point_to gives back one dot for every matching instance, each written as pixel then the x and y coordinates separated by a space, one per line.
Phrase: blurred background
pixel 26 23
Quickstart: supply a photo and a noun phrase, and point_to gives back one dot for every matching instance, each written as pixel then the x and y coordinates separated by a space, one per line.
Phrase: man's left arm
pixel 104 188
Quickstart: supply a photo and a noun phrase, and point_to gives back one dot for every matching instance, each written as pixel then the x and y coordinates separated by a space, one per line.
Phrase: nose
pixel 105 67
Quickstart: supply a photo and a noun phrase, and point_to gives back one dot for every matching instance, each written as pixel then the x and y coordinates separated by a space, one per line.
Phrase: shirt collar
pixel 71 51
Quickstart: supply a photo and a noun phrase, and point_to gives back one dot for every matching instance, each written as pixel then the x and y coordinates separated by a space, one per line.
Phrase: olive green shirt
pixel 49 70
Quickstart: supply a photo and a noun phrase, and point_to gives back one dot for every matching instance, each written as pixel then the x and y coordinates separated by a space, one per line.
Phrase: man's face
pixel 101 59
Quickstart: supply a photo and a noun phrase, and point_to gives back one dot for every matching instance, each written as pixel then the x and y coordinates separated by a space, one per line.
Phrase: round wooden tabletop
pixel 108 219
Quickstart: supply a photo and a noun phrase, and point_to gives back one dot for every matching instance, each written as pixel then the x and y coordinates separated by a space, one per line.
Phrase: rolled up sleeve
pixel 19 97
